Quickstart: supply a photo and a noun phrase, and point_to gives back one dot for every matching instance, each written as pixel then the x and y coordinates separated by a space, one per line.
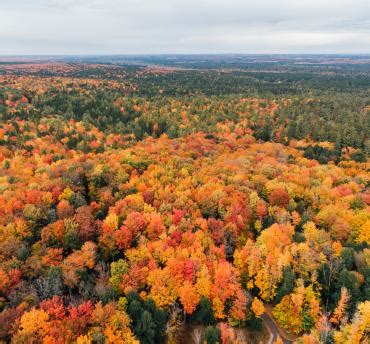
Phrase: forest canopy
pixel 141 197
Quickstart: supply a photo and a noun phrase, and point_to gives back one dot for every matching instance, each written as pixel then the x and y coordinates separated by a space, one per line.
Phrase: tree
pixel 228 335
pixel 77 261
pixel 148 322
pixel 351 281
pixel 64 209
pixel 257 307
pixel 238 310
pixel 188 297
pixel 54 307
pixel 118 270
pixel 155 227
pixel 85 221
pixel 34 325
pixel 287 284
pixel 224 288
pixel 53 283
pixel 339 314
pixel 279 197
pixel 203 313
pixel 212 335
pixel 298 311
pixel 356 331
pixel 261 209
pixel 145 328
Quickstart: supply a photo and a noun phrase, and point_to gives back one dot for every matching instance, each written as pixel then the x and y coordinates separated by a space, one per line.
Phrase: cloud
pixel 186 26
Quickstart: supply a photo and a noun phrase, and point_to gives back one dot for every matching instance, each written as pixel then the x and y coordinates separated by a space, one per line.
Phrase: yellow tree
pixel 34 326
pixel 357 331
pixel 258 307
pixel 298 311
pixel 265 259
pixel 188 297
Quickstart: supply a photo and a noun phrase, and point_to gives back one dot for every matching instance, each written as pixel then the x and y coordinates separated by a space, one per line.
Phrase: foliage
pixel 133 199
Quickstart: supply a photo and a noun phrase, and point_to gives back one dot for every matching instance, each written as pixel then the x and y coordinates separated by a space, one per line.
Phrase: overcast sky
pixel 184 26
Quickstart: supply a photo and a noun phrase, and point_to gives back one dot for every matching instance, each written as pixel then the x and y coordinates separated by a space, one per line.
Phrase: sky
pixel 67 27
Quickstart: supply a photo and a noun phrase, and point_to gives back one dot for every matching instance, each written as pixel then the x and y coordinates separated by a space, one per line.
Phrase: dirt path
pixel 193 334
pixel 275 329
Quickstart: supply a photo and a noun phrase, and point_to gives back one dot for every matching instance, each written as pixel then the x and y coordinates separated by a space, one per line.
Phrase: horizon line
pixel 186 54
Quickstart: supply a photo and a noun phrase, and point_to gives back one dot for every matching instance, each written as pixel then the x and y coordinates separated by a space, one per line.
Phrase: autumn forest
pixel 185 199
